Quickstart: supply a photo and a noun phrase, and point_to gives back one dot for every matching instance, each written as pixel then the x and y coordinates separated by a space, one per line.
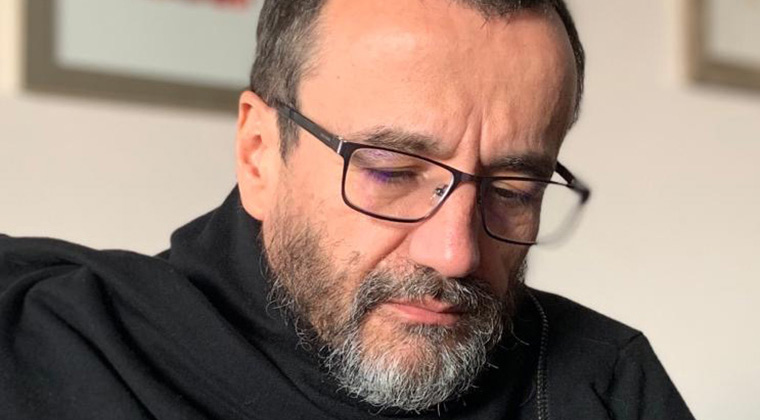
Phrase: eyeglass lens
pixel 395 185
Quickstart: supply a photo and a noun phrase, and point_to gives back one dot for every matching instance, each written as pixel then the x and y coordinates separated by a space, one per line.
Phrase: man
pixel 394 163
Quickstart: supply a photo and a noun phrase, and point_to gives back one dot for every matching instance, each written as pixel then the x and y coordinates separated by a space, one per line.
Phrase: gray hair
pixel 286 37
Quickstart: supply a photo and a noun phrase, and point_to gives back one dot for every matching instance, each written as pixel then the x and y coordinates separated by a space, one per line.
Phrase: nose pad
pixel 438 193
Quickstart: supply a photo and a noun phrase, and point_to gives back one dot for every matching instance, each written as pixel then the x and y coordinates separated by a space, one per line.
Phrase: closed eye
pixel 391 176
pixel 513 195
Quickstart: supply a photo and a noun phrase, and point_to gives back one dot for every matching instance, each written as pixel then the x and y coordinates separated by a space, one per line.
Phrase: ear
pixel 257 155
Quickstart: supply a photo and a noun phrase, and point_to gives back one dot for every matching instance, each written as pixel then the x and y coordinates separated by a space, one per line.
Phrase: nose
pixel 448 241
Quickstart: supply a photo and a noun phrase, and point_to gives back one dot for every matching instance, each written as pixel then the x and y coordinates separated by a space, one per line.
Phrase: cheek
pixel 500 265
pixel 353 241
pixel 364 243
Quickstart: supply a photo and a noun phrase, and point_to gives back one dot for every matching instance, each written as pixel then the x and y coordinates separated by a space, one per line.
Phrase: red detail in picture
pixel 237 3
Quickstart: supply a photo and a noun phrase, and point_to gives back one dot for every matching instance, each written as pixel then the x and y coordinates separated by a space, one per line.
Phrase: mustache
pixel 468 295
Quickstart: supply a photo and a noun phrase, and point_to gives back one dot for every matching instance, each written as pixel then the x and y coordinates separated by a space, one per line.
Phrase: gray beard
pixel 446 360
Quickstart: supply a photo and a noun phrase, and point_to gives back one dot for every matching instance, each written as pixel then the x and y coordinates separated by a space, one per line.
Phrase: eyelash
pixel 390 176
pixel 514 196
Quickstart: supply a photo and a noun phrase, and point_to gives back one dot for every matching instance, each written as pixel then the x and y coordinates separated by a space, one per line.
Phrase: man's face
pixel 407 302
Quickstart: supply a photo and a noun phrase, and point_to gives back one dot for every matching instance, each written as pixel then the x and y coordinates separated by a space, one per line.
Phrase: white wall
pixel 669 245
pixel 109 175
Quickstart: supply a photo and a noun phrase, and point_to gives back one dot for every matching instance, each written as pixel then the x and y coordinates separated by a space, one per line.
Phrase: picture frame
pixel 128 50
pixel 724 42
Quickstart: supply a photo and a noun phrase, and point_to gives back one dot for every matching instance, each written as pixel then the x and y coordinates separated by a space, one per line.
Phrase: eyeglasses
pixel 403 187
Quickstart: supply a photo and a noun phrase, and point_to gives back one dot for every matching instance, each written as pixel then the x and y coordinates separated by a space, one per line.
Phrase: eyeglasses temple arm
pixel 574 181
pixel 332 141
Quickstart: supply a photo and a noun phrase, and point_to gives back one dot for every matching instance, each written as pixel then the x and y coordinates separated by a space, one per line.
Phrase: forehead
pixel 482 86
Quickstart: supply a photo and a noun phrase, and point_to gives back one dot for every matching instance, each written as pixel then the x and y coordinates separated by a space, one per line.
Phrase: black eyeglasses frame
pixel 346 148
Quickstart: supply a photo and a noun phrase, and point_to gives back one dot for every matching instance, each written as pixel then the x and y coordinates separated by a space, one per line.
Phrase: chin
pixel 393 363
pixel 386 336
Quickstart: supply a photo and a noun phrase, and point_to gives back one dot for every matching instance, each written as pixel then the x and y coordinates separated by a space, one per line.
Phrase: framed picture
pixel 189 53
pixel 725 42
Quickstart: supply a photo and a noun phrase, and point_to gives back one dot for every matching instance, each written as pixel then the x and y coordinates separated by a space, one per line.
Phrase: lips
pixel 426 311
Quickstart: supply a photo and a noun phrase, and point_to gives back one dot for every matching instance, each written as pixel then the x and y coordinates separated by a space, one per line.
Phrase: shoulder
pixel 574 322
pixel 53 286
pixel 584 346
pixel 600 367
pixel 46 283
pixel 29 265
pixel 70 318
pixel 583 343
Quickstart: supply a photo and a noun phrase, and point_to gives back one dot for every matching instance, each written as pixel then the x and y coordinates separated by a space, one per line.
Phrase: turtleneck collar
pixel 220 253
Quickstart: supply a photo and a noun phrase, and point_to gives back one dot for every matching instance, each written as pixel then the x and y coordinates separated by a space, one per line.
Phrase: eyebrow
pixel 403 141
pixel 532 164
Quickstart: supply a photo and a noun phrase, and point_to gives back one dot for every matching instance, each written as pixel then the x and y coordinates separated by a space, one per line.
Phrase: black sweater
pixel 88 334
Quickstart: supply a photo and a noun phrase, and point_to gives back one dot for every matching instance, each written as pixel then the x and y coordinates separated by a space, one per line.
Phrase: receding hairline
pixel 290 36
